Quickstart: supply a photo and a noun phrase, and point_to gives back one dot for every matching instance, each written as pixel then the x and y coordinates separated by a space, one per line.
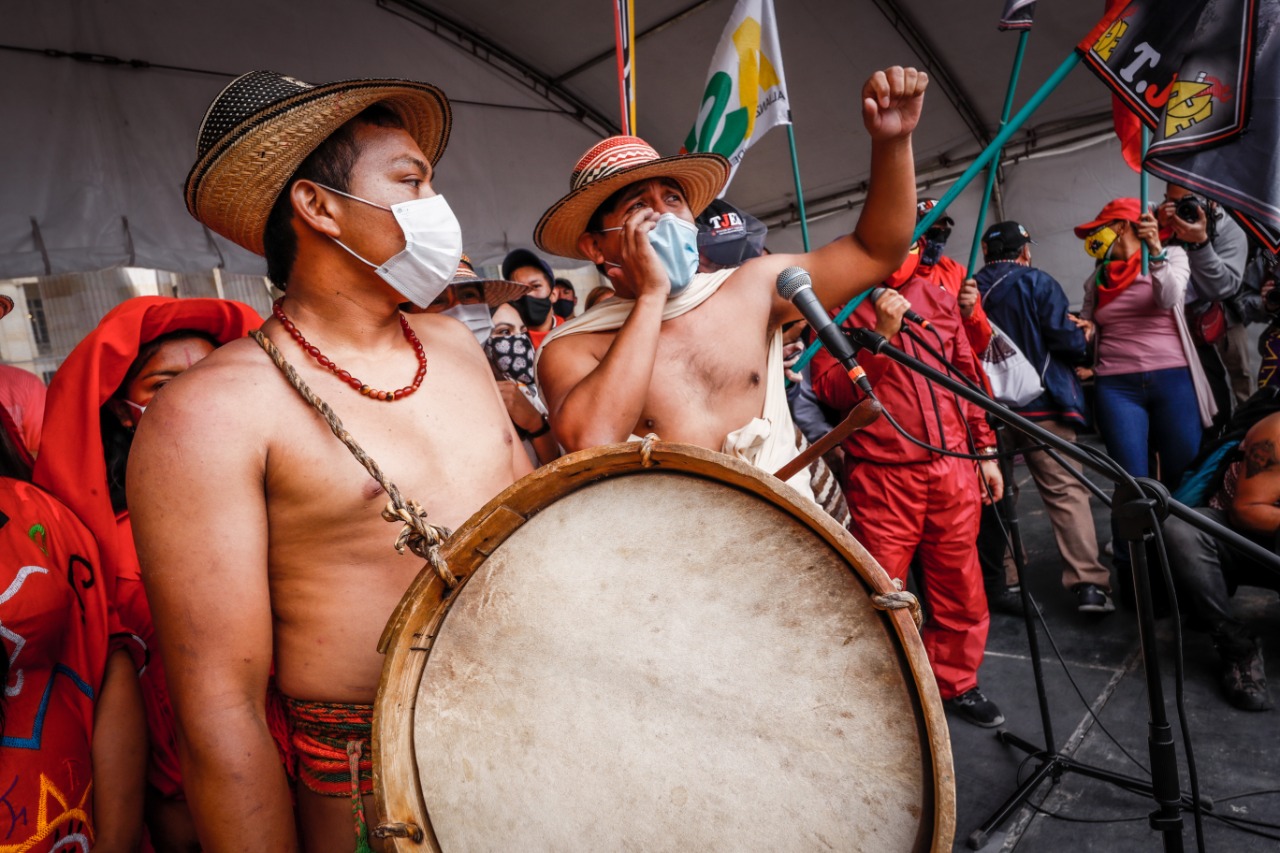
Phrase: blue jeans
pixel 1141 415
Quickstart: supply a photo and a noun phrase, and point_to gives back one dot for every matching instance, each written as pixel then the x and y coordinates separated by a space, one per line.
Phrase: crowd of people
pixel 198 571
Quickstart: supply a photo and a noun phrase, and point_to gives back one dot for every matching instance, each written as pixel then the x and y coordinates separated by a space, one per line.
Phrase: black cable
pixel 1179 679
pixel 1247 794
pixel 952 371
pixel 1236 824
pixel 1262 823
pixel 973 457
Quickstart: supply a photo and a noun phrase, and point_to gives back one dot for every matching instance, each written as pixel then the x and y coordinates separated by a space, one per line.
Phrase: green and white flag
pixel 746 92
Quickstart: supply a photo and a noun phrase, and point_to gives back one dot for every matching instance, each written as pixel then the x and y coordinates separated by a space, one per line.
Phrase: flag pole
pixel 975 167
pixel 795 171
pixel 631 63
pixel 995 165
pixel 1142 193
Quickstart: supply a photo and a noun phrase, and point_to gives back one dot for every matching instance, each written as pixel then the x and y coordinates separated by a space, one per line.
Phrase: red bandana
pixel 1114 276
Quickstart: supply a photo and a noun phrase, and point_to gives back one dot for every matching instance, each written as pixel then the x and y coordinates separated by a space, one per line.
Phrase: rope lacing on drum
pixel 419 536
pixel 899 600
pixel 646 449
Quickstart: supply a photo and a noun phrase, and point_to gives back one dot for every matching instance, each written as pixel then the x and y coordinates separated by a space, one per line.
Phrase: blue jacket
pixel 1031 308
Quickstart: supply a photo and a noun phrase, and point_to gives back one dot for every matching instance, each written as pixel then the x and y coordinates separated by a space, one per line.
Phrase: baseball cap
pixel 1004 237
pixel 1118 209
pixel 728 236
pixel 924 205
pixel 518 258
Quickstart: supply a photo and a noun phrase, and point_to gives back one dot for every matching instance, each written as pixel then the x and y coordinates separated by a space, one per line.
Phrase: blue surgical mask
pixel 676 243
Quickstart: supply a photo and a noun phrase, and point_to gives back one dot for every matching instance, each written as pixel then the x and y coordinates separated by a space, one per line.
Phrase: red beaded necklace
pixel 312 350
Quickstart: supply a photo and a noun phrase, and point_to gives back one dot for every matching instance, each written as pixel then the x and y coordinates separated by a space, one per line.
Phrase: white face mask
pixel 476 317
pixel 432 248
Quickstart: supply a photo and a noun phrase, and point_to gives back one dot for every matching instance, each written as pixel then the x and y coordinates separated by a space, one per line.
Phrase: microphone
pixel 877 292
pixel 795 286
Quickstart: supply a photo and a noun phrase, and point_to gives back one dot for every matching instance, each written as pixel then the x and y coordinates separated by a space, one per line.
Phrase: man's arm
pixel 198 507
pixel 593 402
pixel 119 758
pixel 1254 508
pixel 1061 335
pixel 891 103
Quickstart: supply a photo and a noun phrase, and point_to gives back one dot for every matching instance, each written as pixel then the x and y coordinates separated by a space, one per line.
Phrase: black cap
pixel 518 258
pixel 728 236
pixel 1003 238
pixel 924 205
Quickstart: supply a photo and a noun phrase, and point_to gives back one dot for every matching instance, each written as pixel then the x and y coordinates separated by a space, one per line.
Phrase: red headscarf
pixel 71 464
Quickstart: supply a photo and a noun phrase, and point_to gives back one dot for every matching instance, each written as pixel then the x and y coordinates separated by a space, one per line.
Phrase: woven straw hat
pixel 261 127
pixel 608 167
pixel 496 290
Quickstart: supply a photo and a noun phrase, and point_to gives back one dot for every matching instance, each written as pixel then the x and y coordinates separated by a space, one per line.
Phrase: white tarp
pixel 88 147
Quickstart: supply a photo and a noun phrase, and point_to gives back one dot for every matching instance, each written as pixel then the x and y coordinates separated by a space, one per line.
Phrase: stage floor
pixel 1235 752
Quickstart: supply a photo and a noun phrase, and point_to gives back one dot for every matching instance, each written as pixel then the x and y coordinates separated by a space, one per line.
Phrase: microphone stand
pixel 1137 502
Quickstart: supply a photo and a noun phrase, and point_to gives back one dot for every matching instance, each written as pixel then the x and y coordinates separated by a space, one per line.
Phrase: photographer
pixel 1216 248
pixel 1260 284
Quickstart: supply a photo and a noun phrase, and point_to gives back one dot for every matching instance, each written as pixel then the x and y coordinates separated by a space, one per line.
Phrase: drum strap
pixel 419 536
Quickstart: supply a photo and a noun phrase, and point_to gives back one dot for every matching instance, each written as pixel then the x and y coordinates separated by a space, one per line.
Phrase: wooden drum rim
pixel 413 625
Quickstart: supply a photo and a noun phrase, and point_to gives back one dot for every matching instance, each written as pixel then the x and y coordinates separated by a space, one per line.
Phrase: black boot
pixel 1005 599
pixel 1244 674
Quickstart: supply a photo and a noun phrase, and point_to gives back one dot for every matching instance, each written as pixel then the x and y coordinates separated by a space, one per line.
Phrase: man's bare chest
pixel 451 452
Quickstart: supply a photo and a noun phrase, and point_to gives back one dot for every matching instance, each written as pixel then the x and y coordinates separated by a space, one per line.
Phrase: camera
pixel 1190 208
pixel 1271 301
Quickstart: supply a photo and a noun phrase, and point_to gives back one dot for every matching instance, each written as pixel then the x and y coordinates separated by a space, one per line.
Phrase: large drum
pixel 657 648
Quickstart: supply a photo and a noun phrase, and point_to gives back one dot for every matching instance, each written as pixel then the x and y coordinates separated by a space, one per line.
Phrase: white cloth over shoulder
pixel 767 442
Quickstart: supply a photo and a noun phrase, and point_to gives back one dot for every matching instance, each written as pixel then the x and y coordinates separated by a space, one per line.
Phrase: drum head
pixel 659 659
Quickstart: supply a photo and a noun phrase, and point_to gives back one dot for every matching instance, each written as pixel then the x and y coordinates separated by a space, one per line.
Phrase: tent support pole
pixel 1055 80
pixel 994 168
pixel 795 172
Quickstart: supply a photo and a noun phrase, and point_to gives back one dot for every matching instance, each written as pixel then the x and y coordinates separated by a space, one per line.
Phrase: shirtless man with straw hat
pixel 261 538
pixel 697 357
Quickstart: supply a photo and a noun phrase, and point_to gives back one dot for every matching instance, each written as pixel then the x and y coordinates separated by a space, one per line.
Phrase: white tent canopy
pixel 95 152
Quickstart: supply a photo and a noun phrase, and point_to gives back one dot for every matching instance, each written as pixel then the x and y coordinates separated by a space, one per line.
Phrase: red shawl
pixel 72 466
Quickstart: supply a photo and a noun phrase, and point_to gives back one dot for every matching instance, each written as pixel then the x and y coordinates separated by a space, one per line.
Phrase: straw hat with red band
pixel 259 129
pixel 1116 210
pixel 613 164
pixel 496 290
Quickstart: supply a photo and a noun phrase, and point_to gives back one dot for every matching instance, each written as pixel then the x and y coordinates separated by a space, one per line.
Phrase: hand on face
pixel 637 256
pixel 891 102
pixel 890 309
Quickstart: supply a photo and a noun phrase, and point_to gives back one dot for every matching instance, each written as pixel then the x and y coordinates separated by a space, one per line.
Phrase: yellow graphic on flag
pixel 1107 42
pixel 1190 103
pixel 755 71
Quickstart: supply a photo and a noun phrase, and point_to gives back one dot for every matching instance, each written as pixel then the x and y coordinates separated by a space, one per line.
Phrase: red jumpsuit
pixel 905 500
pixel 949 275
